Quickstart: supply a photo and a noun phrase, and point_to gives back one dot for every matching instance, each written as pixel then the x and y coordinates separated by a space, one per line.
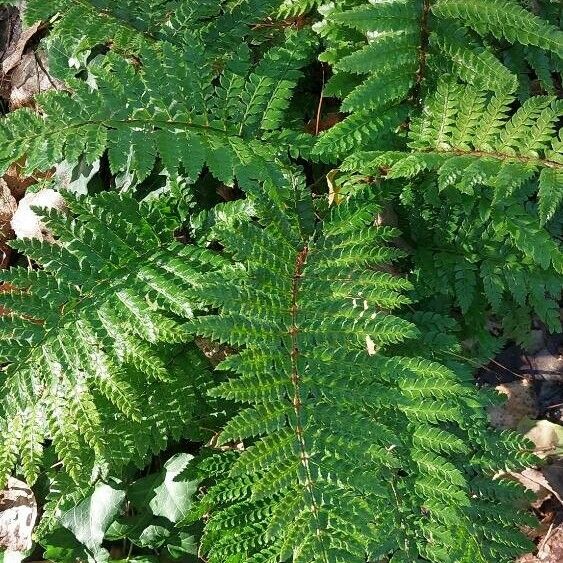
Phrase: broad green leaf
pixel 167 493
pixel 90 519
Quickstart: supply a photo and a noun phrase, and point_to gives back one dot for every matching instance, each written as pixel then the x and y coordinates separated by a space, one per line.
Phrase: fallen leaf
pixel 8 206
pixel 521 403
pixel 536 482
pixel 15 56
pixel 546 435
pixel 29 78
pixel 550 549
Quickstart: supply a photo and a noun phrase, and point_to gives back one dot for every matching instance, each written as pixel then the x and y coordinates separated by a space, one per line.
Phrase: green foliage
pixel 388 54
pixel 172 107
pixel 78 27
pixel 344 444
pixel 493 183
pixel 355 431
pixel 142 512
pixel 82 336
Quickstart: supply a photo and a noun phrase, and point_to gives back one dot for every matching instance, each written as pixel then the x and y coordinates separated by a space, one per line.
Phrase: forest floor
pixel 533 381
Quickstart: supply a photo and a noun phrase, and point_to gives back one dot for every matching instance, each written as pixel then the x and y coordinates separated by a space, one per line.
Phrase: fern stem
pixel 423 50
pixel 300 262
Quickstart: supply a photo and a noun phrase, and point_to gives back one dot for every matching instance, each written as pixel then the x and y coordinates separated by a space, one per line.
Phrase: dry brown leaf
pixel 8 206
pixel 18 182
pixel 14 58
pixel 29 78
pixel 547 436
pixel 521 403
pixel 550 549
pixel 536 482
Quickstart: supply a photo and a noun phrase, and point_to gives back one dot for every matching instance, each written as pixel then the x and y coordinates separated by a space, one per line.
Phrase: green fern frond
pixel 387 53
pixel 503 19
pixel 82 336
pixel 343 445
pixel 297 7
pixel 471 140
pixel 490 185
pixel 169 108
pixel 130 25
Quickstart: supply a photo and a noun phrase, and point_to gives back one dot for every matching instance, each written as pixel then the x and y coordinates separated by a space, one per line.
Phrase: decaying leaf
pixel 8 206
pixel 14 58
pixel 546 435
pixel 536 482
pixel 521 403
pixel 29 78
pixel 550 549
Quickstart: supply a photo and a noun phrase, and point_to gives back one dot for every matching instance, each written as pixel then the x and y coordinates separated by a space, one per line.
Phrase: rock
pixel 26 223
pixel 18 512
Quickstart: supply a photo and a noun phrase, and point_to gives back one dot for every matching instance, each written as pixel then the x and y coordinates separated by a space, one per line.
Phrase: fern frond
pixel 469 141
pixel 480 163
pixel 82 336
pixel 169 108
pixel 343 444
pixel 503 19
pixel 297 7
pixel 387 53
pixel 128 26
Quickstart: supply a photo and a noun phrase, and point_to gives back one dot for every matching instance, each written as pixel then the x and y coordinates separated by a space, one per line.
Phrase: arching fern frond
pixel 503 19
pixel 129 25
pixel 387 53
pixel 349 453
pixel 170 106
pixel 491 184
pixel 472 139
pixel 95 339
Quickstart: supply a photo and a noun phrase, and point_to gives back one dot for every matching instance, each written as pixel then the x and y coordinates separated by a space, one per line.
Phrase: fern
pixel 83 335
pixel 344 443
pixel 355 431
pixel 484 168
pixel 78 26
pixel 170 108
pixel 387 54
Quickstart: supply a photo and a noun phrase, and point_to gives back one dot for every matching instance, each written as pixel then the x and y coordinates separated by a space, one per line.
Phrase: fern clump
pixel 84 334
pixel 502 171
pixel 350 451
pixel 342 282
